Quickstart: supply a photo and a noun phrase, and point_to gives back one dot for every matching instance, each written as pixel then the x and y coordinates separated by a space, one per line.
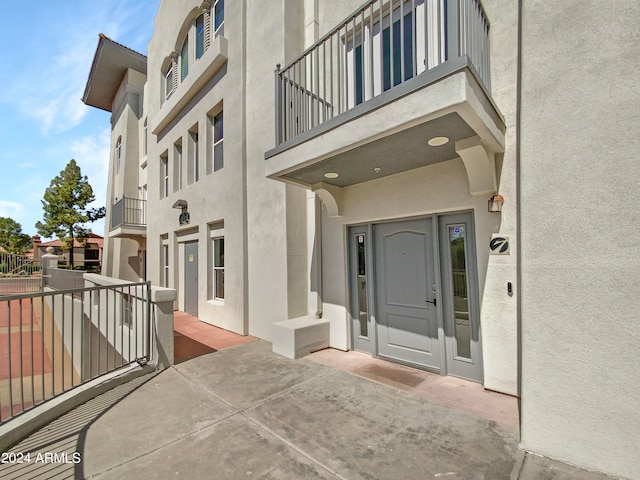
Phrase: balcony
pixel 129 218
pixel 363 100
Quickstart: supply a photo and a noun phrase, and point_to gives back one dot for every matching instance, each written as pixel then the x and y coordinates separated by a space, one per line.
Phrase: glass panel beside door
pixel 358 251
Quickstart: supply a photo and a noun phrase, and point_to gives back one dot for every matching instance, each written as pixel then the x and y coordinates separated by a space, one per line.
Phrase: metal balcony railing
pixel 382 45
pixel 59 340
pixel 129 212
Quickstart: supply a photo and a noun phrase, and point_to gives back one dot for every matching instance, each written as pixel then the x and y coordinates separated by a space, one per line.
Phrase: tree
pixel 11 237
pixel 65 208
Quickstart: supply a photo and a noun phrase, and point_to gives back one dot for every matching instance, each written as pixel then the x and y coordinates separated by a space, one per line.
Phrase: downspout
pixel 519 215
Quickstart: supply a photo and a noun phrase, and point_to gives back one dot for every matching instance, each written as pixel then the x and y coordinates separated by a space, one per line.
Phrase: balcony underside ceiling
pixel 399 152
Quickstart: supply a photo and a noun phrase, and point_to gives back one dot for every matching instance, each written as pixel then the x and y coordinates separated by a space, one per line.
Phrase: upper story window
pixel 145 136
pixel 199 36
pixel 184 59
pixel 168 82
pixel 164 176
pixel 218 142
pixel 218 17
pixel 118 153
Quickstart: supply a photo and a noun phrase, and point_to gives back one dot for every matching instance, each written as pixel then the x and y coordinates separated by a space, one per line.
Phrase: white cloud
pixel 10 209
pixel 91 153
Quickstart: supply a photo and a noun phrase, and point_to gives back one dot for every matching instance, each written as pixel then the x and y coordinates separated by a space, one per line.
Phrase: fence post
pixel 162 325
pixel 49 260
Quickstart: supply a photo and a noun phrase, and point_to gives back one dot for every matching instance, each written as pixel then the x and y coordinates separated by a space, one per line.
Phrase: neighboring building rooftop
pixel 91 238
pixel 110 63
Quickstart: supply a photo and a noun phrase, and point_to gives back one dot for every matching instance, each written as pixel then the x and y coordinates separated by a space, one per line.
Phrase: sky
pixel 46 54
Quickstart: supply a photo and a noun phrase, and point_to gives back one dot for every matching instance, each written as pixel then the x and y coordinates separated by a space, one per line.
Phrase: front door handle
pixel 434 302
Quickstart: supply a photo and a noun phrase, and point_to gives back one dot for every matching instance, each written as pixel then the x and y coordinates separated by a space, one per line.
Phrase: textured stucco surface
pixel 580 243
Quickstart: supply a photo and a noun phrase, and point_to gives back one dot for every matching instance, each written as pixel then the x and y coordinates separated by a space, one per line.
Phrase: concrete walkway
pixel 244 412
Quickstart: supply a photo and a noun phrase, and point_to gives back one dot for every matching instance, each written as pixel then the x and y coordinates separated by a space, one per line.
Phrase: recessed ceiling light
pixel 438 141
pixel 331 175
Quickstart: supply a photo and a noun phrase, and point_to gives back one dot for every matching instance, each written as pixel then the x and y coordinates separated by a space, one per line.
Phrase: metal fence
pixel 131 212
pixel 19 274
pixel 52 342
pixel 63 279
pixel 14 264
pixel 380 46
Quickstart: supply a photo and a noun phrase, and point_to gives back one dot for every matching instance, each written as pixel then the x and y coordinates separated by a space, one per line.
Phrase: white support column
pixel 311 26
pixel 314 255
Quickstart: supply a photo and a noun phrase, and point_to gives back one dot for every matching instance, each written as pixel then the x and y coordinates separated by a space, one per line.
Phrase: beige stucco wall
pixel 265 255
pixel 580 243
pixel 217 197
pixel 499 309
pixel 277 279
pixel 122 255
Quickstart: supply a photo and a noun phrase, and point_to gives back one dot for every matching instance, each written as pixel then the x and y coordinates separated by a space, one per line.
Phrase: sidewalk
pixel 245 412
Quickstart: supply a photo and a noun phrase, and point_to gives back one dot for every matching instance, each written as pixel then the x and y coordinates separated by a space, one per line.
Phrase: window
pixel 168 82
pixel 165 261
pixel 218 17
pixel 218 268
pixel 177 167
pixel 199 36
pixel 127 310
pixel 145 132
pixel 218 139
pixel 215 261
pixel 118 153
pixel 401 53
pixel 164 176
pixel 193 170
pixel 184 59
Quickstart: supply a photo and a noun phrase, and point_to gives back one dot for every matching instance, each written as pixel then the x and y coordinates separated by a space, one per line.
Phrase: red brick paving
pixel 193 337
pixel 14 309
pixel 26 355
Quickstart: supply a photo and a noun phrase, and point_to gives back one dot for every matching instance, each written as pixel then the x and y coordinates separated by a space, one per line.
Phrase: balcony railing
pixel 59 340
pixel 129 212
pixel 382 45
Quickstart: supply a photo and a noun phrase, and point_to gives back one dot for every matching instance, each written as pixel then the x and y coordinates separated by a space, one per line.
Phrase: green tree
pixel 11 237
pixel 65 208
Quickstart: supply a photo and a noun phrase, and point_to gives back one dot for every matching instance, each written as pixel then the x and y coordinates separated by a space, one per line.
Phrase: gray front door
pixel 405 301
pixel 191 278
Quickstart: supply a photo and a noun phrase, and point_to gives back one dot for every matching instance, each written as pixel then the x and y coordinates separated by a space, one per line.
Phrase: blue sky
pixel 47 50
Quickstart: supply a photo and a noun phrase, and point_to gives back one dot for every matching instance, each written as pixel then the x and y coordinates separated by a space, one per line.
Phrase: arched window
pixel 199 36
pixel 184 59
pixel 218 17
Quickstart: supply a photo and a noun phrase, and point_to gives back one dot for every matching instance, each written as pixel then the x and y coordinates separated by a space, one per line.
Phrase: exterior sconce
pixel 184 215
pixel 495 203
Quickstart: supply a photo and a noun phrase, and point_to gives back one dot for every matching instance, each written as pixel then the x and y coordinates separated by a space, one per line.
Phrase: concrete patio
pixel 245 412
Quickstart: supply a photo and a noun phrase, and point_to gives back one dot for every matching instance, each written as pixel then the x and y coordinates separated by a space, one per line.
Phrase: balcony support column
pixel 314 255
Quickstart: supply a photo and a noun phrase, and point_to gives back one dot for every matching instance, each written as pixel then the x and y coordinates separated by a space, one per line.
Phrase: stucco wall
pixel 499 309
pixel 121 258
pixel 580 243
pixel 216 197
pixel 276 213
